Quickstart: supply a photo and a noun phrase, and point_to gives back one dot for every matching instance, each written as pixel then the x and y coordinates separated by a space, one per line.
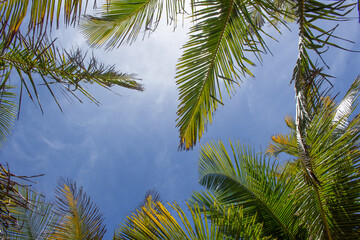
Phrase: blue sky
pixel 129 144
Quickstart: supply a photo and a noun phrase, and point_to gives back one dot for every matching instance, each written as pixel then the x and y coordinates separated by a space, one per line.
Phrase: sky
pixel 129 144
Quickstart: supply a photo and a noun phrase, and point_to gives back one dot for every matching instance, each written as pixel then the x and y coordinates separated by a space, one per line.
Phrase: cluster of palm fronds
pixel 29 58
pixel 252 196
pixel 313 196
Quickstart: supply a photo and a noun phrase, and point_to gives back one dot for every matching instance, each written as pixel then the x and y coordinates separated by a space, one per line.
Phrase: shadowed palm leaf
pixel 14 200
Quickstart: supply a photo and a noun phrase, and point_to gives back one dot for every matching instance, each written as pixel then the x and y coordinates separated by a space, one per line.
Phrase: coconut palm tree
pixel 282 195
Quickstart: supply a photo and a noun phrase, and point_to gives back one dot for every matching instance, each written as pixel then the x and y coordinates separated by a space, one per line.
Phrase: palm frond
pixel 121 21
pixel 161 224
pixel 215 57
pixel 80 217
pixel 252 181
pixel 313 38
pixel 41 59
pixel 37 15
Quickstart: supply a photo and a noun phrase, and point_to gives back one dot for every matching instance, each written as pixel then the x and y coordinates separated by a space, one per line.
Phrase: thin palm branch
pixel 316 39
pixel 11 198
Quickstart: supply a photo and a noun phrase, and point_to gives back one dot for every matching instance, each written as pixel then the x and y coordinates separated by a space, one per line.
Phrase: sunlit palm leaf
pixel 215 57
pixel 79 216
pixel 252 181
pixel 36 222
pixel 121 21
pixel 162 225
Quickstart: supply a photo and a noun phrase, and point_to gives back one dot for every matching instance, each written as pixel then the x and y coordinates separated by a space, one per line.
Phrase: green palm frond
pixel 121 21
pixel 79 216
pixel 8 111
pixel 41 62
pixel 37 221
pixel 250 180
pixel 160 224
pixel 215 57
